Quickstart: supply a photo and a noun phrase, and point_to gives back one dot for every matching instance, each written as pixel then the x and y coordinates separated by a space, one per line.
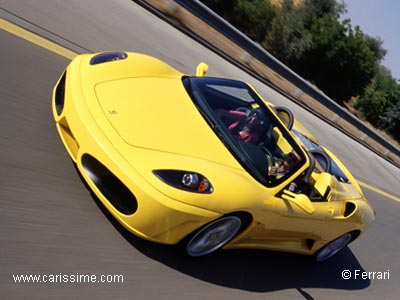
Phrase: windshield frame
pixel 243 152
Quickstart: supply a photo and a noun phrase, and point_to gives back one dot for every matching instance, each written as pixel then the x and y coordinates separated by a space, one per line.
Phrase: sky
pixel 379 18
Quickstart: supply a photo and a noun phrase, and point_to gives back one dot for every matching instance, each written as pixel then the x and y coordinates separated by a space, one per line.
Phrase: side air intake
pixel 349 209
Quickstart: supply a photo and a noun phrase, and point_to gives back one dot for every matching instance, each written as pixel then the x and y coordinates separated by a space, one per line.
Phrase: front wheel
pixel 333 247
pixel 213 236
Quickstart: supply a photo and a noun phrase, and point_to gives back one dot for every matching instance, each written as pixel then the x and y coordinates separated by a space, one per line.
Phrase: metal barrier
pixel 253 58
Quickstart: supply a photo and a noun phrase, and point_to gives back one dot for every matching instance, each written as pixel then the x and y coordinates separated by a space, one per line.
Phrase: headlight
pixel 185 180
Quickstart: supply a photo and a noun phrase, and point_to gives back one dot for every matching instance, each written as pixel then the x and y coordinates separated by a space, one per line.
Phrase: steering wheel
pixel 270 157
pixel 245 110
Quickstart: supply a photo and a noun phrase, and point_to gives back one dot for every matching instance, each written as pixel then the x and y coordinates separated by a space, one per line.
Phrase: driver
pixel 244 126
pixel 283 167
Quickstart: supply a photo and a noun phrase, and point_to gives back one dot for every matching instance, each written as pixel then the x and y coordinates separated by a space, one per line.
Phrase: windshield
pixel 247 127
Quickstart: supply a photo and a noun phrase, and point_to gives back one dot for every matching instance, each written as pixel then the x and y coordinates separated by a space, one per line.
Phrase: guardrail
pixel 207 27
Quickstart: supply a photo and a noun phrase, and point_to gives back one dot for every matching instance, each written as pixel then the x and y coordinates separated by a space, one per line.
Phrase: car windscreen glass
pixel 247 127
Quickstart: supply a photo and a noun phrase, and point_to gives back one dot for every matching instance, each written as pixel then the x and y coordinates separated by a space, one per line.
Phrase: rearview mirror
pixel 301 200
pixel 201 69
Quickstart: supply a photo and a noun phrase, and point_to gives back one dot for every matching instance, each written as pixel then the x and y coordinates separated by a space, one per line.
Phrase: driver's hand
pixel 273 171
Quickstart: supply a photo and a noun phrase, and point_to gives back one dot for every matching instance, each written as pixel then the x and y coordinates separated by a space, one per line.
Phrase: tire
pixel 213 236
pixel 333 247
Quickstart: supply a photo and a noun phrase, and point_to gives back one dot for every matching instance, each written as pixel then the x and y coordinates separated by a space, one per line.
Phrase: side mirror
pixel 300 200
pixel 201 69
pixel 323 184
pixel 285 115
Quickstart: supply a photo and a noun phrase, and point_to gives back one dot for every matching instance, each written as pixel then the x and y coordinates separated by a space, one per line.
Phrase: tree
pixel 252 17
pixel 340 61
pixel 391 119
pixel 316 9
pixel 380 103
pixel 288 40
pixel 375 45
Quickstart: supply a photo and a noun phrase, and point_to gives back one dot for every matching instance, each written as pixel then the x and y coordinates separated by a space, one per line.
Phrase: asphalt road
pixel 50 224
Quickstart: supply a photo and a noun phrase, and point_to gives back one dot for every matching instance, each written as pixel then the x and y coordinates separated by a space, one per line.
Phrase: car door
pixel 293 223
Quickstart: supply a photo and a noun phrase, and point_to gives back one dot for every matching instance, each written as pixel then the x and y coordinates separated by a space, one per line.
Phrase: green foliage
pixel 288 39
pixel 375 45
pixel 252 17
pixel 339 61
pixel 316 9
pixel 380 103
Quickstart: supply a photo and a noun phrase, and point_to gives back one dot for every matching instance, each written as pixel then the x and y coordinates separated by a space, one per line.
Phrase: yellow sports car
pixel 202 162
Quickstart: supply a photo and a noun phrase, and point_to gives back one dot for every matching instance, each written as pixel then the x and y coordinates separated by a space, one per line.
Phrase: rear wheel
pixel 333 247
pixel 213 236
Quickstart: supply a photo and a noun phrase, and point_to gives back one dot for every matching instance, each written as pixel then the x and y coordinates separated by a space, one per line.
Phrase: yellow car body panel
pixel 140 130
pixel 133 116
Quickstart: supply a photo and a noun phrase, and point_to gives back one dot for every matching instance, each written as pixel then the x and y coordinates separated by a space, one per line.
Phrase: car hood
pixel 157 113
